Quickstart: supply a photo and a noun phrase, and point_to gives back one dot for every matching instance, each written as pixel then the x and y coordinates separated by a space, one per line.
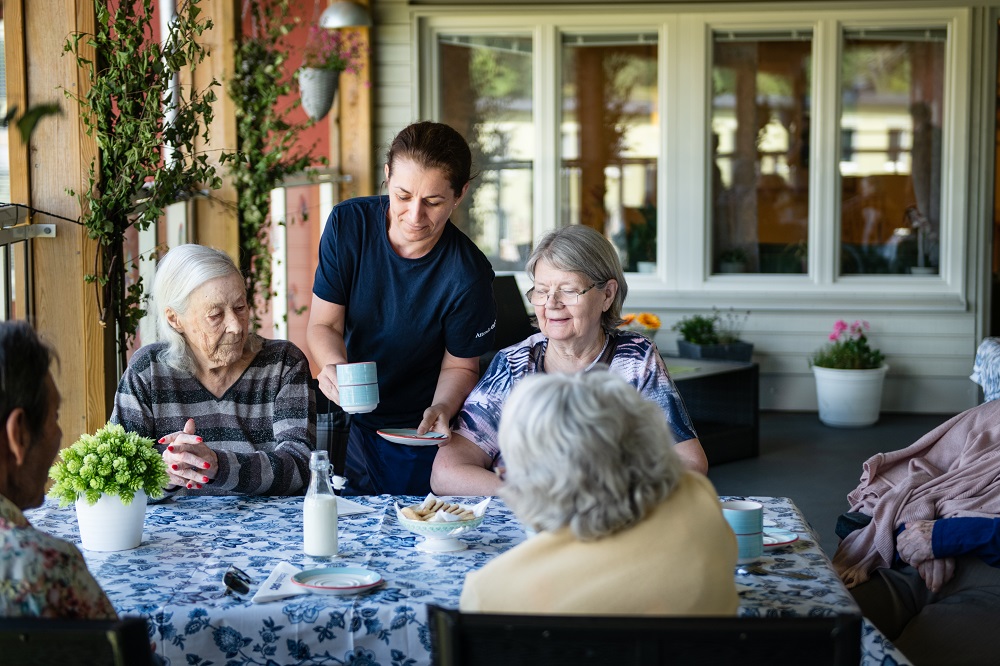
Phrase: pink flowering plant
pixel 848 348
pixel 337 50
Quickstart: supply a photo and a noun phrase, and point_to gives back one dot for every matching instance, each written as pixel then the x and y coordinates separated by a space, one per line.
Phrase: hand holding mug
pixel 327 379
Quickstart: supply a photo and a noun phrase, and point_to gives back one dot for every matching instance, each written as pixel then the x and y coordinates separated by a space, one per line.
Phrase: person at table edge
pixel 232 413
pixel 926 568
pixel 591 468
pixel 578 292
pixel 399 284
pixel 40 575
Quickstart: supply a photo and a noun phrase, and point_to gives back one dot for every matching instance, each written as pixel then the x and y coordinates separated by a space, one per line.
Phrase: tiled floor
pixel 816 465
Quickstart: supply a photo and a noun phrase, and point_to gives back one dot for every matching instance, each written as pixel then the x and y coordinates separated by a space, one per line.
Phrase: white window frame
pixel 684 276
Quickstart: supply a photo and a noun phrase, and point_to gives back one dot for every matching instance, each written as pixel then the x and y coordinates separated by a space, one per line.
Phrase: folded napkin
pixel 279 584
pixel 346 507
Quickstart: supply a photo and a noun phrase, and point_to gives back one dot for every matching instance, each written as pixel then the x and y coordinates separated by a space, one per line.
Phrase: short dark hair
pixel 434 146
pixel 24 365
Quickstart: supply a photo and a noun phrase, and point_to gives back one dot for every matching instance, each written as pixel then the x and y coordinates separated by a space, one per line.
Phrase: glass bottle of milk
pixel 319 511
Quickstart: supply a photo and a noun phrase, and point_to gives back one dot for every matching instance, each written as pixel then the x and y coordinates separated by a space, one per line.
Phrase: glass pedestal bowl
pixel 440 537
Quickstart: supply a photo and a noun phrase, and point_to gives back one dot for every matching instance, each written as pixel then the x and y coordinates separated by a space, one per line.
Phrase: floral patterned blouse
pixel 43 576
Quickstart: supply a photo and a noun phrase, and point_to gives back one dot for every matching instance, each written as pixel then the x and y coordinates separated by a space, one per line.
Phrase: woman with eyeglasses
pixel 399 284
pixel 578 292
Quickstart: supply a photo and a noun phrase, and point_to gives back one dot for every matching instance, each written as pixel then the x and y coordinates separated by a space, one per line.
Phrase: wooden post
pixel 59 157
pixel 216 222
pixel 354 134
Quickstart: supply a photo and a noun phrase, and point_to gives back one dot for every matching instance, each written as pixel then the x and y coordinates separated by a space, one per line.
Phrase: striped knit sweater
pixel 262 429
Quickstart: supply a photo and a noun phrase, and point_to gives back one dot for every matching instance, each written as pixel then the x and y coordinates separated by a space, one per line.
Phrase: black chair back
pixel 513 320
pixel 480 639
pixel 40 641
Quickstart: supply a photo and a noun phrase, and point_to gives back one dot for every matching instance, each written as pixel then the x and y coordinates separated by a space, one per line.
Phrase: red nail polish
pixel 197 439
pixel 173 466
pixel 204 479
pixel 206 465
pixel 189 486
pixel 170 448
pixel 161 440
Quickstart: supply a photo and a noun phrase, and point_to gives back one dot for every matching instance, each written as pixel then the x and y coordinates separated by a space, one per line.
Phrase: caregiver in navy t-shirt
pixel 403 314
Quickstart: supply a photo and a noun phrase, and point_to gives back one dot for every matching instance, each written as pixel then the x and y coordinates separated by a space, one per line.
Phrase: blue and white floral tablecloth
pixel 175 580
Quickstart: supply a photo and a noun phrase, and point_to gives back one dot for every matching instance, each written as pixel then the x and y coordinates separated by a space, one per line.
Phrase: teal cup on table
pixel 358 385
pixel 746 518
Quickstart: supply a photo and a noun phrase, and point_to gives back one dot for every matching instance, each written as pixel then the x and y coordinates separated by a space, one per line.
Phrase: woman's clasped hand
pixel 190 462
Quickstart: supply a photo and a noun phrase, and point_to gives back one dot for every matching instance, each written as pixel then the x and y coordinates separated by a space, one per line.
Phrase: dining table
pixel 175 579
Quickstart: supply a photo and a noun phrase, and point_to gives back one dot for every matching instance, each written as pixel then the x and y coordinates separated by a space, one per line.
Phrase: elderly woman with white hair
pixel 590 467
pixel 232 412
pixel 578 293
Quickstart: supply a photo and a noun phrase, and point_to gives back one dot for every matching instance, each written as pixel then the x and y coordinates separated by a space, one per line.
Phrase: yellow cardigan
pixel 679 560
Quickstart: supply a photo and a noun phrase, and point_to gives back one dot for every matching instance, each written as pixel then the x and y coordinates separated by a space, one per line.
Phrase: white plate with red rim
pixel 338 580
pixel 409 436
pixel 776 538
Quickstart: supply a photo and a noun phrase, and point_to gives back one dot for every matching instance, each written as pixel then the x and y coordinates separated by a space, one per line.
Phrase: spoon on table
pixel 747 569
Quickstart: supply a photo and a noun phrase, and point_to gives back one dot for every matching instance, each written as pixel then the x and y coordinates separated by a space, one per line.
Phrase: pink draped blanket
pixel 951 471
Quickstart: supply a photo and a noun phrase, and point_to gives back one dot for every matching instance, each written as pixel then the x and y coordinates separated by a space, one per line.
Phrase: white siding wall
pixel 929 343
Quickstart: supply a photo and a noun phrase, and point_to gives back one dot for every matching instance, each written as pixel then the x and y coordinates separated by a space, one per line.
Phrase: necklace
pixel 600 354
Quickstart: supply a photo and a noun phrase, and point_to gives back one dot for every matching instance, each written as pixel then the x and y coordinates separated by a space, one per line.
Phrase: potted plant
pixel 109 475
pixel 271 144
pixel 641 241
pixel 849 375
pixel 126 106
pixel 645 323
pixel 733 260
pixel 327 54
pixel 714 336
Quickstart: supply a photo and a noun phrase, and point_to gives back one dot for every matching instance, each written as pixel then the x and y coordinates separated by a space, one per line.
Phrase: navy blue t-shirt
pixel 403 313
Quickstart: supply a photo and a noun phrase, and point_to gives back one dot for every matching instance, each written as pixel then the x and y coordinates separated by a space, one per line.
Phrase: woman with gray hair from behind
pixel 233 413
pixel 590 467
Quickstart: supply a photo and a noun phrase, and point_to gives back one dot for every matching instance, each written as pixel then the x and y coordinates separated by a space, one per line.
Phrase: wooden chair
pixel 479 639
pixel 41 641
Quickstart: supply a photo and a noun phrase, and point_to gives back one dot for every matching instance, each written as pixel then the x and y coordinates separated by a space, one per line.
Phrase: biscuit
pixel 425 513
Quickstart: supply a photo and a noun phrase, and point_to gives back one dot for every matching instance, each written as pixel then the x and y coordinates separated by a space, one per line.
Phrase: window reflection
pixel 761 99
pixel 486 95
pixel 610 140
pixel 892 92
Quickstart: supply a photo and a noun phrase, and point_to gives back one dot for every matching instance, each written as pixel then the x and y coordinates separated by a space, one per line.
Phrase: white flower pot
pixel 317 87
pixel 849 398
pixel 110 525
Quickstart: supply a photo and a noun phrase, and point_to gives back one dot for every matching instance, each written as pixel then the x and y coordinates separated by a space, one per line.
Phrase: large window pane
pixel 610 138
pixel 486 95
pixel 761 100
pixel 892 93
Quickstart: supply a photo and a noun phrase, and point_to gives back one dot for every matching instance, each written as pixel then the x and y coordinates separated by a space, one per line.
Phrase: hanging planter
pixel 318 88
pixel 327 54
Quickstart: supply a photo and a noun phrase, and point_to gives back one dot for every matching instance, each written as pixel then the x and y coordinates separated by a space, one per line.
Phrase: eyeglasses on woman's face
pixel 564 296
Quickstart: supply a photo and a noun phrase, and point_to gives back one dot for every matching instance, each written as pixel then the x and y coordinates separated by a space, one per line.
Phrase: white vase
pixel 849 398
pixel 317 87
pixel 110 525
